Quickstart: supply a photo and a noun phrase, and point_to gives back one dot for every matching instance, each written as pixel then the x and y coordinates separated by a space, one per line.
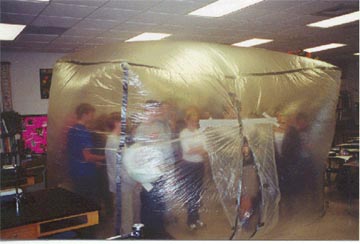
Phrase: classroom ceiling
pixel 69 25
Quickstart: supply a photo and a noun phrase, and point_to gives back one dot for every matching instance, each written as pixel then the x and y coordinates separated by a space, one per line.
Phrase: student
pixel 251 190
pixel 193 166
pixel 153 132
pixel 82 160
pixel 130 190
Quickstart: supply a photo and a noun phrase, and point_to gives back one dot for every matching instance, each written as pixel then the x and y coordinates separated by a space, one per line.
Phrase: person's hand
pixel 245 206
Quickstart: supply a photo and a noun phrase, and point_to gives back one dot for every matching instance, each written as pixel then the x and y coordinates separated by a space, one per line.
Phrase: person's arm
pixel 91 157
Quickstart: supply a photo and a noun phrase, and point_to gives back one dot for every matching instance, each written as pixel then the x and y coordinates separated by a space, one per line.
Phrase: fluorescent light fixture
pixel 223 7
pixel 324 47
pixel 252 42
pixel 339 20
pixel 9 32
pixel 356 54
pixel 148 36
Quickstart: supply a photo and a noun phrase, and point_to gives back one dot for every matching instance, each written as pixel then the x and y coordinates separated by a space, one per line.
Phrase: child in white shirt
pixel 193 144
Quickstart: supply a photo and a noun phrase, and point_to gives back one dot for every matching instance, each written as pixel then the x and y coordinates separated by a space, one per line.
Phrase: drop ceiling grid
pixel 96 22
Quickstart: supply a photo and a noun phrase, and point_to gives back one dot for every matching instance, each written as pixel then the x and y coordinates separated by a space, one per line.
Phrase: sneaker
pixel 199 223
pixel 192 227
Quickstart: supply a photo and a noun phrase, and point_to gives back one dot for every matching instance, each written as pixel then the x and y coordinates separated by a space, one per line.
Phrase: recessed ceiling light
pixel 223 7
pixel 9 32
pixel 252 42
pixel 339 20
pixel 324 47
pixel 148 36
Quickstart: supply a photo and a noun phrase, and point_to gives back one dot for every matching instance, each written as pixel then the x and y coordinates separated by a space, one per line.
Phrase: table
pixel 47 212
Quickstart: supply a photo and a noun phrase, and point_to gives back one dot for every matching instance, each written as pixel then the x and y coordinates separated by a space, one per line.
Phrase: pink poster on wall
pixel 35 133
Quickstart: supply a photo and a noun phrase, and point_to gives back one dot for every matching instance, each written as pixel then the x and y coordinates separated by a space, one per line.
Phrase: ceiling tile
pixel 87 46
pixel 83 32
pixel 63 45
pixel 278 5
pixel 151 17
pixel 75 24
pixel 57 50
pixel 70 39
pixel 11 18
pixel 94 3
pixel 68 10
pixel 35 38
pixel 135 27
pixel 313 7
pixel 176 7
pixel 31 44
pixel 118 34
pixel 102 41
pixel 56 21
pixel 139 5
pixel 96 24
pixel 119 15
pixel 43 30
pixel 20 7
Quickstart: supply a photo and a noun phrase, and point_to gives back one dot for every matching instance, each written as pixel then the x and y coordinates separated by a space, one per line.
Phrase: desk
pixel 31 171
pixel 354 145
pixel 352 180
pixel 47 212
pixel 340 160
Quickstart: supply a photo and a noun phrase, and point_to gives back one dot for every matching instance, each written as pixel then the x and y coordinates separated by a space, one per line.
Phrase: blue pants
pixel 192 175
pixel 153 209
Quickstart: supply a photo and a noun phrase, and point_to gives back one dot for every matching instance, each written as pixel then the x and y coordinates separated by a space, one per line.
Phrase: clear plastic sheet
pixel 233 137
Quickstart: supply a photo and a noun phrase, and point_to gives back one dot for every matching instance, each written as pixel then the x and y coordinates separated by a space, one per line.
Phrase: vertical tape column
pixel 124 103
pixel 237 105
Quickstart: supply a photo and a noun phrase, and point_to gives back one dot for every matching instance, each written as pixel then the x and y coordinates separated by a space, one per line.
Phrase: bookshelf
pixel 11 144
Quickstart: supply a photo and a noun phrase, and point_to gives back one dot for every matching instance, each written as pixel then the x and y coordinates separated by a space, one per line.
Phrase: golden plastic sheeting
pixel 266 124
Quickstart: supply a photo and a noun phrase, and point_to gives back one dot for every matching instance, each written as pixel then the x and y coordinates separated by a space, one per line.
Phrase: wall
pixel 25 79
pixel 350 84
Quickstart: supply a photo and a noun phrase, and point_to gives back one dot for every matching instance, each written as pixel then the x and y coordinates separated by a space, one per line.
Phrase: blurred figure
pixel 169 114
pixel 251 191
pixel 169 117
pixel 82 160
pixel 130 189
pixel 154 133
pixel 279 135
pixel 193 145
pixel 297 163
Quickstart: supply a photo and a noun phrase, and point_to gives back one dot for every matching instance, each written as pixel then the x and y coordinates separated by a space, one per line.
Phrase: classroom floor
pixel 340 221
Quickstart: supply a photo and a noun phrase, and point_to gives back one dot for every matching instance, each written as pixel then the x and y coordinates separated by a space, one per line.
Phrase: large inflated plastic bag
pixel 232 88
